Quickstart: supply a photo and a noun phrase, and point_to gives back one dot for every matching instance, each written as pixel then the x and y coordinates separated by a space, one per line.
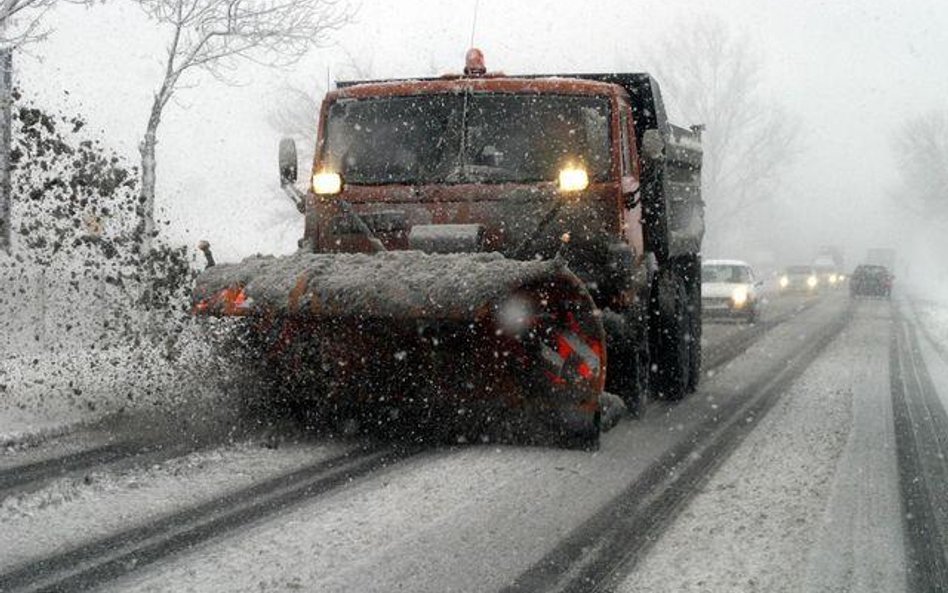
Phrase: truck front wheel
pixel 671 338
pixel 627 351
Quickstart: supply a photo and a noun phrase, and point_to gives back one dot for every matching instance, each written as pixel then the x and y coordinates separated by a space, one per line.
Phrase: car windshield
pixel 799 270
pixel 725 273
pixel 467 138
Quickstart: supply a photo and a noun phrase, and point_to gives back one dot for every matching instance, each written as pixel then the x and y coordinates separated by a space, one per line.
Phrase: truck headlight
pixel 812 281
pixel 833 278
pixel 784 282
pixel 573 179
pixel 327 183
pixel 739 296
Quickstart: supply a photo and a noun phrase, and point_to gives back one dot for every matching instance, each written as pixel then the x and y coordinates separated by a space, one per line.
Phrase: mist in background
pixel 847 75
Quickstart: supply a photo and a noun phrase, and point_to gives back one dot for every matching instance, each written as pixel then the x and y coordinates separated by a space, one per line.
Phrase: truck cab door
pixel 629 184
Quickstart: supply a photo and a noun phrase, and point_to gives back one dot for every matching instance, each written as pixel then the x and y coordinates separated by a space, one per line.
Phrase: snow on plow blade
pixel 411 326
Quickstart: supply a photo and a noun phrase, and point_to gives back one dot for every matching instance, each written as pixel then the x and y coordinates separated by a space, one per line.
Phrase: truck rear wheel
pixel 694 340
pixel 672 338
pixel 693 282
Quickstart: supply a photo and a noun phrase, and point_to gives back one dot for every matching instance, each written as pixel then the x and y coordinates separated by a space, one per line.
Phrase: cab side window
pixel 624 139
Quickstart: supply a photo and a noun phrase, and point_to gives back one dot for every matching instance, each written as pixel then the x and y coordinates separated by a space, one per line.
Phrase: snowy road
pixel 786 471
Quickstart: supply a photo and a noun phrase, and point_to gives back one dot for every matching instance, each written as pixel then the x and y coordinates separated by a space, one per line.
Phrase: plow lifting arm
pixel 299 200
pixel 298 197
pixel 346 208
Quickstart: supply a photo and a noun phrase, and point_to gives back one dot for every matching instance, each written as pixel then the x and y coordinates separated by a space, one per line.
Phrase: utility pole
pixel 6 107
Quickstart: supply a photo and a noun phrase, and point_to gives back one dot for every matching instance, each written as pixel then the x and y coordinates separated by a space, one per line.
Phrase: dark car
pixel 871 280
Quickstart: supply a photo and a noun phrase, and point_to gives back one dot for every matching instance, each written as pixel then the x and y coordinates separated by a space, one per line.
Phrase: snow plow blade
pixel 440 330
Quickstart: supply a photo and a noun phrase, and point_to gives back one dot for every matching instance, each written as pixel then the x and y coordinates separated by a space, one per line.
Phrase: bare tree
pixel 921 147
pixel 20 21
pixel 712 76
pixel 215 36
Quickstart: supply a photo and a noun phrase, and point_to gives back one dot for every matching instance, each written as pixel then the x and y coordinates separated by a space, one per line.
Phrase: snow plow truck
pixel 514 243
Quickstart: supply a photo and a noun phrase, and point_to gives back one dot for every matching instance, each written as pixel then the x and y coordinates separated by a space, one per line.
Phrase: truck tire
pixel 694 356
pixel 585 438
pixel 627 352
pixel 693 282
pixel 671 344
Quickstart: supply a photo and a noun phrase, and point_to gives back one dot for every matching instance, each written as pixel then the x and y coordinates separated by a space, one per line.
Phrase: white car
pixel 730 287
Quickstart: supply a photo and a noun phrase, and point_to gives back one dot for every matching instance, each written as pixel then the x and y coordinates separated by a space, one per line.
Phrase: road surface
pixel 813 457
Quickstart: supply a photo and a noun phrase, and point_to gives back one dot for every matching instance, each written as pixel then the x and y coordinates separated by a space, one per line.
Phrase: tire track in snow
pixel 33 475
pixel 921 431
pixel 736 344
pixel 110 557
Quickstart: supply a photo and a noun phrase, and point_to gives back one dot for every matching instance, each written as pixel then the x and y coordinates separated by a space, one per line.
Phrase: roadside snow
pixel 52 391
pixel 933 318
pixel 71 511
pixel 932 322
pixel 810 501
pixel 48 393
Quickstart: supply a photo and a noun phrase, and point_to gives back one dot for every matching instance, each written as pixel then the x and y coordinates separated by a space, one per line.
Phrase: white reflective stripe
pixel 583 350
pixel 553 357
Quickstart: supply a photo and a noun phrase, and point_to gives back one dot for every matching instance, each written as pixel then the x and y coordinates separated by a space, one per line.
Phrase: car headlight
pixel 784 282
pixel 739 296
pixel 833 278
pixel 812 281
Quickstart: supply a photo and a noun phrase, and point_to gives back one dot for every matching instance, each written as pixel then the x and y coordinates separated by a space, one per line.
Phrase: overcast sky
pixel 849 71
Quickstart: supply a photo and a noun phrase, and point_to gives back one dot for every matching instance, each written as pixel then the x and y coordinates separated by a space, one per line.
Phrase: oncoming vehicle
pixel 799 279
pixel 827 272
pixel 830 263
pixel 871 280
pixel 730 287
pixel 484 241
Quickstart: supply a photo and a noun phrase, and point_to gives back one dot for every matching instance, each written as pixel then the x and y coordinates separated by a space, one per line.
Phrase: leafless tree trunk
pixel 215 36
pixel 710 76
pixel 148 147
pixel 20 24
pixel 6 106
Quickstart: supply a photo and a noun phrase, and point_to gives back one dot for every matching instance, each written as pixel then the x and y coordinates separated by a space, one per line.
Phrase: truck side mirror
pixel 288 162
pixel 653 146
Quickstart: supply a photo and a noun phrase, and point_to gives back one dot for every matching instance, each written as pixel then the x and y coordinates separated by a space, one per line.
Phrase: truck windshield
pixel 467 138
